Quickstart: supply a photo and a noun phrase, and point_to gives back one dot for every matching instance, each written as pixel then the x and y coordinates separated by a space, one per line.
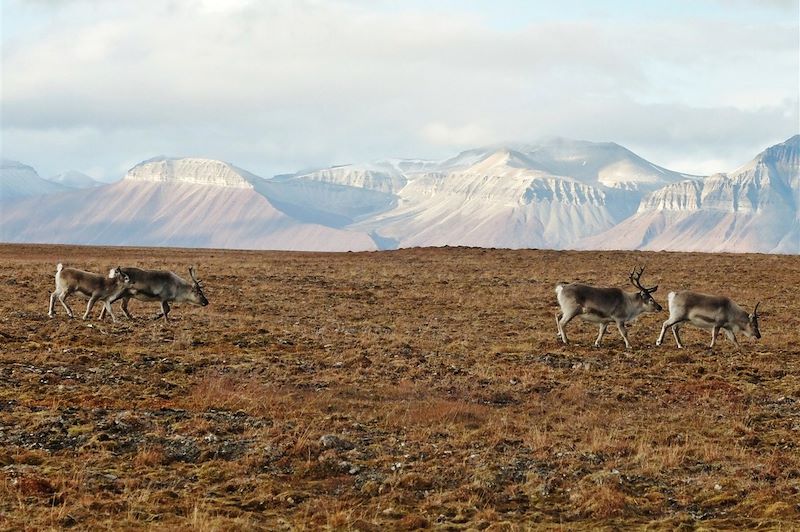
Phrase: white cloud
pixel 456 136
pixel 275 86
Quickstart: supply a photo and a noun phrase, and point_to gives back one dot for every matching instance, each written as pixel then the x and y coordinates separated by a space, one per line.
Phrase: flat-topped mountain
pixel 190 170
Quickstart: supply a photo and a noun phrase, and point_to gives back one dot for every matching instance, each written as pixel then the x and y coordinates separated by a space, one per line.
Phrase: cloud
pixel 276 86
pixel 458 136
pixel 785 5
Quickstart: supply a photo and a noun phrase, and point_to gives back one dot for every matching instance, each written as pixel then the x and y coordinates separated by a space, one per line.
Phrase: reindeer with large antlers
pixel 162 286
pixel 717 313
pixel 604 305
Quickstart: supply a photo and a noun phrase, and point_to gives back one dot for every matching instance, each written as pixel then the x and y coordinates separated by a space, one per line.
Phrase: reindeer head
pixel 197 297
pixel 650 304
pixel 752 323
pixel 121 277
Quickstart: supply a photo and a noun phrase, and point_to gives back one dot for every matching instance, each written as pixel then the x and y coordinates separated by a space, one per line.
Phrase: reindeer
pixel 162 286
pixel 95 287
pixel 604 305
pixel 709 312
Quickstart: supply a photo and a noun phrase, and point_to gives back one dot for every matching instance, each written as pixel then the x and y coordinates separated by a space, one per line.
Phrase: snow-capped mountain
pixel 539 195
pixel 19 180
pixel 74 179
pixel 754 208
pixel 194 171
pixel 172 202
pixel 595 163
pixel 558 193
pixel 495 202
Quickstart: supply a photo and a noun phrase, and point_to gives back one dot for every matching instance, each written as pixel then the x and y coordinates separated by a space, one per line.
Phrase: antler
pixel 635 278
pixel 755 310
pixel 196 281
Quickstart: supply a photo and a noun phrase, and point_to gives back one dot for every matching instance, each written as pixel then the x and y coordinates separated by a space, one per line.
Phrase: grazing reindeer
pixel 162 286
pixel 604 305
pixel 95 287
pixel 709 312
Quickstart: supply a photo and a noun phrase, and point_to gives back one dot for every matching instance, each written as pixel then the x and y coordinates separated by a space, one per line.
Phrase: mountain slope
pixel 19 180
pixel 549 194
pixel 558 193
pixel 754 208
pixel 165 202
pixel 594 163
pixel 506 207
pixel 74 179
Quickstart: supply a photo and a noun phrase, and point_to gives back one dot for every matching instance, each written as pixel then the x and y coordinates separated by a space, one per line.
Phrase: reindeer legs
pixel 732 338
pixel 714 332
pixel 624 333
pixel 164 311
pixel 676 334
pixel 563 321
pixel 603 327
pixel 62 297
pixel 666 325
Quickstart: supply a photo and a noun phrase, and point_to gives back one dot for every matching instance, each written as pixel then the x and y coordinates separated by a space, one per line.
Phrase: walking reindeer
pixel 604 305
pixel 717 313
pixel 159 286
pixel 95 287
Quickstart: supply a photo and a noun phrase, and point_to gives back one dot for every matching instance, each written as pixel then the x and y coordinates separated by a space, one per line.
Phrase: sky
pixel 275 87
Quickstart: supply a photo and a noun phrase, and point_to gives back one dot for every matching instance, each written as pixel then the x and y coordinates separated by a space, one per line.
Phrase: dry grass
pixel 437 370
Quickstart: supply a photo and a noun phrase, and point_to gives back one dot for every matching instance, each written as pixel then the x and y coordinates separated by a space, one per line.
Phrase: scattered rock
pixel 331 441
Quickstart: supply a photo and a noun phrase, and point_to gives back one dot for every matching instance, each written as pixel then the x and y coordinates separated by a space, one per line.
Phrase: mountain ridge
pixel 559 193
pixel 753 208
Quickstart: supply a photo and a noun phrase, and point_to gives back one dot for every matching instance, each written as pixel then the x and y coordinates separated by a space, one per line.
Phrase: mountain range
pixel 558 193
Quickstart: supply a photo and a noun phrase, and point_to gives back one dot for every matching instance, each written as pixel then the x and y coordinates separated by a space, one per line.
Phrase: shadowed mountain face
pixel 556 194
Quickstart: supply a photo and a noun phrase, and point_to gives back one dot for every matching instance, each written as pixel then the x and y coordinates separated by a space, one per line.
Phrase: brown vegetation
pixel 404 390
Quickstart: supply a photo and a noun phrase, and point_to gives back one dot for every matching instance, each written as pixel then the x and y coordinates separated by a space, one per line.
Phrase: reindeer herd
pixel 606 305
pixel 125 283
pixel 593 304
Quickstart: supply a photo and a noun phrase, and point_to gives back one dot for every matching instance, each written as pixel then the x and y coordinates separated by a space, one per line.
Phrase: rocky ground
pixel 394 390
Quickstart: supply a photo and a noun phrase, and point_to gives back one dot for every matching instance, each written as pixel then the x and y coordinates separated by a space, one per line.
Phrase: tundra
pixel 604 305
pixel 709 312
pixel 95 287
pixel 162 286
